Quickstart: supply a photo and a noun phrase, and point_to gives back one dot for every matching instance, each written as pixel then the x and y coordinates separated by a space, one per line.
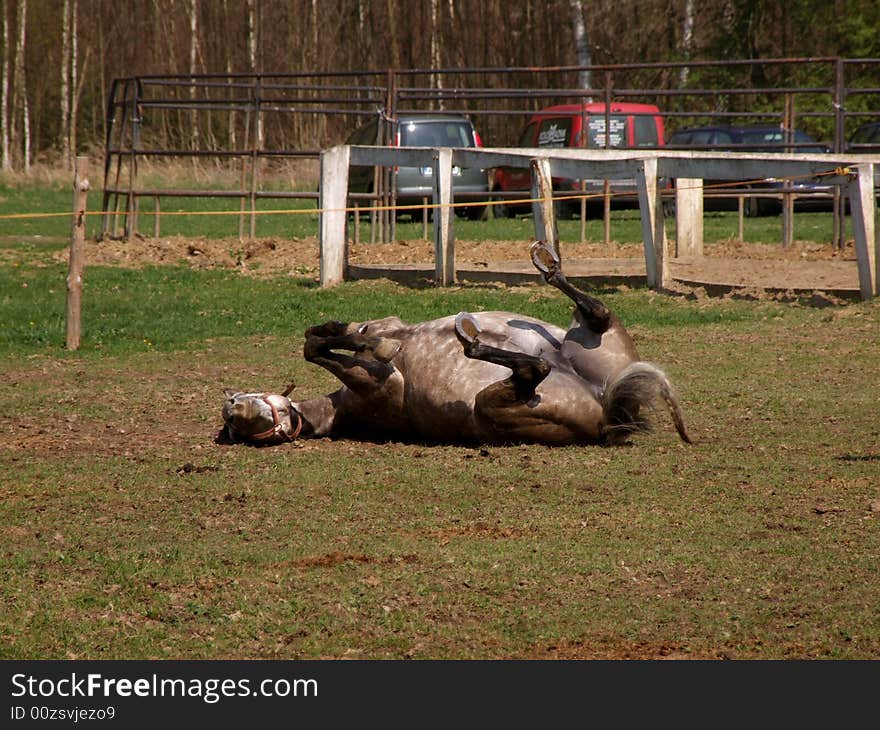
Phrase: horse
pixel 481 378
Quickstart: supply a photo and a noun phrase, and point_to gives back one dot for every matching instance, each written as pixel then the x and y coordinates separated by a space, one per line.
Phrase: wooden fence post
pixel 863 216
pixel 543 211
pixel 333 196
pixel 444 232
pixel 653 229
pixel 688 217
pixel 77 243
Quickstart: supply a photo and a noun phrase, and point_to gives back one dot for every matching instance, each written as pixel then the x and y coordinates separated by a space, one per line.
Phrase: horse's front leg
pixel 369 366
pixel 596 315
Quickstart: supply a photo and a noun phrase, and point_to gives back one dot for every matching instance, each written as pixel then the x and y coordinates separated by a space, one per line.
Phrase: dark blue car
pixel 755 138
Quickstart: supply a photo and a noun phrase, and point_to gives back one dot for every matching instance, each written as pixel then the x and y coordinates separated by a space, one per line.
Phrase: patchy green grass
pixel 126 532
pixel 169 308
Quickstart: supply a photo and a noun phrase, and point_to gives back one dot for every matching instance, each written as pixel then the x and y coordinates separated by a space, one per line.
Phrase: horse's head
pixel 259 418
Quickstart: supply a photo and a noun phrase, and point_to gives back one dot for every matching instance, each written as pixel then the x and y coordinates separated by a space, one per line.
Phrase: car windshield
pixel 436 134
pixel 867 134
pixel 776 138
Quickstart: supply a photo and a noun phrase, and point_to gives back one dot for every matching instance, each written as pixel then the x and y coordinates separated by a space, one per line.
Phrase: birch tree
pixel 437 79
pixel 75 83
pixel 20 97
pixel 4 92
pixel 687 40
pixel 230 119
pixel 193 54
pixel 581 43
pixel 63 133
pixel 252 38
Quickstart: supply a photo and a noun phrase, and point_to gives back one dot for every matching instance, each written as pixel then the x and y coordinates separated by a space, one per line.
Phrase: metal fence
pixel 249 123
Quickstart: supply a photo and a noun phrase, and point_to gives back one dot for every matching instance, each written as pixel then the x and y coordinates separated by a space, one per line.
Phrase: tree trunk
pixel 4 92
pixel 193 49
pixel 687 39
pixel 20 100
pixel 392 34
pixel 231 116
pixel 581 43
pixel 75 83
pixel 252 42
pixel 64 131
pixel 437 79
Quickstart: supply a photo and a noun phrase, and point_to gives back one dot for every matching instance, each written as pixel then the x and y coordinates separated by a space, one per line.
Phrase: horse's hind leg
pixel 527 370
pixel 545 259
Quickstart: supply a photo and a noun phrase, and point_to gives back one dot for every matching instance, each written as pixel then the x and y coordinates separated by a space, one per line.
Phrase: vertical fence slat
pixel 77 243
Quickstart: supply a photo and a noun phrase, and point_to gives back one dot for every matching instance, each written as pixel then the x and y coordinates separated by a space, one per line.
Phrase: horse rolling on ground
pixel 482 377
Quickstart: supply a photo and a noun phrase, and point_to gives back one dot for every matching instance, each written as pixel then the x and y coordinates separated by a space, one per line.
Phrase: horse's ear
pixel 229 393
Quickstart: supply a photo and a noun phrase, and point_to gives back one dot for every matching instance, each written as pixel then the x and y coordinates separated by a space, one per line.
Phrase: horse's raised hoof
pixel 545 259
pixel 386 349
pixel 466 327
pixel 333 328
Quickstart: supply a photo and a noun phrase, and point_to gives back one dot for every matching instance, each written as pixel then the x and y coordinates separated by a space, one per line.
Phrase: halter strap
pixel 278 427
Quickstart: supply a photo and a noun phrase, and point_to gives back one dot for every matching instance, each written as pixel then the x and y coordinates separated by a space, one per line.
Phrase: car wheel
pixel 756 207
pixel 769 206
pixel 475 212
pixel 566 211
pixel 752 208
pixel 499 208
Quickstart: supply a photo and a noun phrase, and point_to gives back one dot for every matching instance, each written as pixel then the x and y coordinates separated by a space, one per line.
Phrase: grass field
pixel 126 532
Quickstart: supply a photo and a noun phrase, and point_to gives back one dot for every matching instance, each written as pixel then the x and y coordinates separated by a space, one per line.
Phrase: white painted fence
pixel 646 167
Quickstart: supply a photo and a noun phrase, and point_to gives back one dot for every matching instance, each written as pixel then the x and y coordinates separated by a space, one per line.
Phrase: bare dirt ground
pixel 756 267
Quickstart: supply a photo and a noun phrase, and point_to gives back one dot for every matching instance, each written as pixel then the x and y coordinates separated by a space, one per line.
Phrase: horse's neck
pixel 319 414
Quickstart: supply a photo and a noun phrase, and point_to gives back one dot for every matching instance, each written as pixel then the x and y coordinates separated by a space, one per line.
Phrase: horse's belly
pixel 439 396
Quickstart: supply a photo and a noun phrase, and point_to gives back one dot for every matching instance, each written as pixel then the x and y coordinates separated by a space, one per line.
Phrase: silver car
pixel 414 184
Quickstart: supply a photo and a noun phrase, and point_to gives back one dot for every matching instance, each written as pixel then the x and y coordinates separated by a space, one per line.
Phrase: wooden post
pixel 606 212
pixel 444 232
pixel 77 243
pixel 688 217
pixel 653 230
pixel 333 196
pixel 787 219
pixel 543 213
pixel 740 217
pixel 357 224
pixel 583 187
pixel 425 218
pixel 862 212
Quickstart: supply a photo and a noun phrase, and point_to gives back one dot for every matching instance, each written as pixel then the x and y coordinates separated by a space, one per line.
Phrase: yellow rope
pixel 837 172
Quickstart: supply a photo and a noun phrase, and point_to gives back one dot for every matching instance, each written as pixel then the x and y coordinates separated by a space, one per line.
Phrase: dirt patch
pixel 803 265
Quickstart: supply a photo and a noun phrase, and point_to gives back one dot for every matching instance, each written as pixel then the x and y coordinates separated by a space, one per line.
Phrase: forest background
pixel 59 56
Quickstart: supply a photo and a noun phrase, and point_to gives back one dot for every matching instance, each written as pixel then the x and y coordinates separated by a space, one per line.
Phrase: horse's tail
pixel 627 397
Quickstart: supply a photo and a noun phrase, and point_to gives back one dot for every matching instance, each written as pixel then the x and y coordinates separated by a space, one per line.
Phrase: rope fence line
pixel 837 172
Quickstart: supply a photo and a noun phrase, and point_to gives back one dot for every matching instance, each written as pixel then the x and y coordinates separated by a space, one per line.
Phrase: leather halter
pixel 278 427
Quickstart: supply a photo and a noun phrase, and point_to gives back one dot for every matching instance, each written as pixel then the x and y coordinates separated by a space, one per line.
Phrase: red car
pixel 579 125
